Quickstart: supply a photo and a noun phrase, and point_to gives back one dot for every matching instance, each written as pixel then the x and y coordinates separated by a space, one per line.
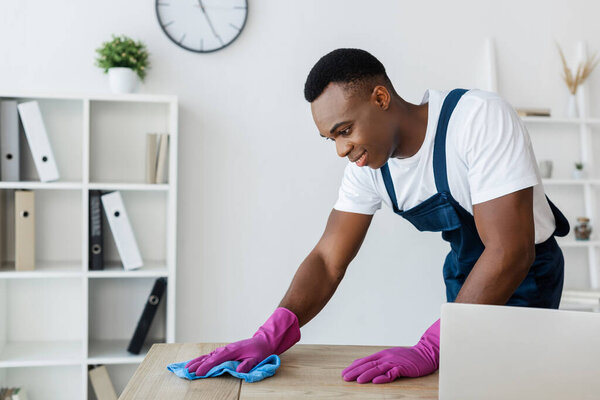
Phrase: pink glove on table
pixel 279 333
pixel 389 364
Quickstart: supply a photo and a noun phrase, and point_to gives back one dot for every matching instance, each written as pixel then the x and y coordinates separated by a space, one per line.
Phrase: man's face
pixel 361 128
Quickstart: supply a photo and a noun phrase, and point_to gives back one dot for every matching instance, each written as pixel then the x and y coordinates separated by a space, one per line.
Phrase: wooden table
pixel 306 372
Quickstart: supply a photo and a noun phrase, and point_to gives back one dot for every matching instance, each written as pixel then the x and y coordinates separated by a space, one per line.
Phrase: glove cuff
pixel 429 345
pixel 281 330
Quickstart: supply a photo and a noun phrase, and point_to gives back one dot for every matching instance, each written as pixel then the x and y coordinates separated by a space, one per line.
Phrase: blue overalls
pixel 542 287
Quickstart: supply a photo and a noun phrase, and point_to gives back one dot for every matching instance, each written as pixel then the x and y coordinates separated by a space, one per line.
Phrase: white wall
pixel 256 181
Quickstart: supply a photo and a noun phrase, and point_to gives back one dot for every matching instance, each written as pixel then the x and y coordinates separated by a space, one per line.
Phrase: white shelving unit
pixel 582 282
pixel 583 294
pixel 62 315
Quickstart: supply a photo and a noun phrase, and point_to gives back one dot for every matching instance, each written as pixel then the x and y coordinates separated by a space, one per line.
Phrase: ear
pixel 381 97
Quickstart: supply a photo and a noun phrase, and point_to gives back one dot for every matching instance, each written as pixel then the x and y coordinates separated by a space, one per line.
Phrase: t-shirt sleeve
pixel 499 155
pixel 357 192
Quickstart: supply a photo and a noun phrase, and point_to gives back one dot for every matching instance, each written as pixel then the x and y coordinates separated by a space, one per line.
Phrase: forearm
pixel 311 289
pixel 495 277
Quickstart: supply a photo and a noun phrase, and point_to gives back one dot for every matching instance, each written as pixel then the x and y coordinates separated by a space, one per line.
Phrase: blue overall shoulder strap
pixel 439 149
pixel 389 186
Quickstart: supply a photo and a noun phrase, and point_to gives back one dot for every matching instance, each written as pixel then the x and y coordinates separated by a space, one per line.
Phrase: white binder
pixel 9 141
pixel 121 230
pixel 36 134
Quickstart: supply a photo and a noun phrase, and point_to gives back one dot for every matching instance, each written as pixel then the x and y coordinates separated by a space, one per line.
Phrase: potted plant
pixel 125 61
pixel 578 172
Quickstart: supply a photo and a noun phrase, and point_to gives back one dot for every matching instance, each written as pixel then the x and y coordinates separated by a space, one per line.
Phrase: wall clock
pixel 202 26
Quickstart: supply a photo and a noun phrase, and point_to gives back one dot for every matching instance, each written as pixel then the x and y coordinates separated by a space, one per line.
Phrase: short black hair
pixel 355 67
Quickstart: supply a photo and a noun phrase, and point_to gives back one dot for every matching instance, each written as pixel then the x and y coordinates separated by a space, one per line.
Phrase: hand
pixel 389 364
pixel 279 333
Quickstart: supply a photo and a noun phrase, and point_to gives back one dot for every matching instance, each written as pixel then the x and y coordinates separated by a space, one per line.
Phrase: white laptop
pixel 497 352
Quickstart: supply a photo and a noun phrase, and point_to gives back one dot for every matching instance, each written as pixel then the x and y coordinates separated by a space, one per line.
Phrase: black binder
pixel 135 345
pixel 96 241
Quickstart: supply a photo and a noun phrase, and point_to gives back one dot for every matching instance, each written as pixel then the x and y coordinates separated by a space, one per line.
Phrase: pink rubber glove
pixel 389 364
pixel 279 333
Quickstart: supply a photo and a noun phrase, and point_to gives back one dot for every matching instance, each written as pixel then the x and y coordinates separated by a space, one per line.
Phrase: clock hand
pixel 209 22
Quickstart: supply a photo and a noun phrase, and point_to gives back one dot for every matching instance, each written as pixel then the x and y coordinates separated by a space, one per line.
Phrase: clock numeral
pixel 234 27
pixel 183 37
pixel 168 23
pixel 163 4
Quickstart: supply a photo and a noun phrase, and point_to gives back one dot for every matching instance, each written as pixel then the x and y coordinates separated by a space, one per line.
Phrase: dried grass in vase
pixel 584 69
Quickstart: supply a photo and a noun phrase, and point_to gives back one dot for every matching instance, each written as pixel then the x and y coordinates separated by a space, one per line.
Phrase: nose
pixel 342 147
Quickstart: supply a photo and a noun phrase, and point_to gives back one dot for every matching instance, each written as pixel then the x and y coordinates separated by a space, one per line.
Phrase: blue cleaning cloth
pixel 262 370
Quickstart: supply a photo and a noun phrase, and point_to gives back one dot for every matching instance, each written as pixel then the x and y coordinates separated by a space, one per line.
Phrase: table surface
pixel 306 372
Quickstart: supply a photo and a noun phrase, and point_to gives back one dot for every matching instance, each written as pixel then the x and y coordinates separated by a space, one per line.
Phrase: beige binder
pixel 102 384
pixel 24 230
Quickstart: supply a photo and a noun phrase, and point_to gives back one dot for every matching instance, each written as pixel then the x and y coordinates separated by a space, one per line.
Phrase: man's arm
pixel 320 273
pixel 506 228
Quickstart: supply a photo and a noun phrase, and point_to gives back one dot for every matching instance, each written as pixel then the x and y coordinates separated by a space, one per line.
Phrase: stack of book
pixel 533 112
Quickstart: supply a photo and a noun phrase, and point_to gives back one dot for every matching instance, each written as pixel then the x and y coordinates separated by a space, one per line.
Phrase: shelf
pixel 113 352
pixel 162 187
pixel 40 354
pixel 33 185
pixel 561 120
pixel 132 97
pixel 581 297
pixel 552 120
pixel 44 269
pixel 116 270
pixel 567 181
pixel 579 243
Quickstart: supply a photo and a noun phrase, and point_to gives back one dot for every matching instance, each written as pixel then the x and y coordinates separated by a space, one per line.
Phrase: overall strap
pixel 439 149
pixel 389 186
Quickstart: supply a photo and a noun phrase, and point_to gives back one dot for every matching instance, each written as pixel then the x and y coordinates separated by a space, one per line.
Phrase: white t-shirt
pixel 488 155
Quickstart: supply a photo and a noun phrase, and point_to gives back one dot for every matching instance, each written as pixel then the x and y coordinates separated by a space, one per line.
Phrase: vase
pixel 122 80
pixel 583 230
pixel 572 109
pixel 578 174
pixel 545 167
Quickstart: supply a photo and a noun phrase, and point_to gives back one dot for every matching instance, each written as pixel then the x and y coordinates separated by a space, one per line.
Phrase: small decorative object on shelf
pixel 583 230
pixel 573 80
pixel 545 168
pixel 533 112
pixel 125 61
pixel 578 172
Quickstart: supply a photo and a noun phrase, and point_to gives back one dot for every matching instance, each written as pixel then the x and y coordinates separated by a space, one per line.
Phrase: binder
pixel 161 162
pixel 96 237
pixel 37 137
pixel 9 141
pixel 121 230
pixel 24 230
pixel 151 153
pixel 102 384
pixel 143 326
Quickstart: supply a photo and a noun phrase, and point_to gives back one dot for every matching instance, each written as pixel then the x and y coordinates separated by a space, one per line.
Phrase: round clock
pixel 202 26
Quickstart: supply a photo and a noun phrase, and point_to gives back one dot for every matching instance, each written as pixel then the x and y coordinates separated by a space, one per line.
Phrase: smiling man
pixel 459 163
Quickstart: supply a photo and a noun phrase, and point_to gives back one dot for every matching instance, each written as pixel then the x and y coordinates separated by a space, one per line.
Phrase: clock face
pixel 202 26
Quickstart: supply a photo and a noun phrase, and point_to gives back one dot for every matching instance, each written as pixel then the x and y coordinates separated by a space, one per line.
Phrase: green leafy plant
pixel 122 51
pixel 579 166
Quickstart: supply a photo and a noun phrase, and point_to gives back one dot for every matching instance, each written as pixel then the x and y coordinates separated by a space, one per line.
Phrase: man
pixel 460 163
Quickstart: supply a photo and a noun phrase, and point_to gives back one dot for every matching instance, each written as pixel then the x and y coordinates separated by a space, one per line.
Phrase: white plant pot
pixel 578 174
pixel 122 80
